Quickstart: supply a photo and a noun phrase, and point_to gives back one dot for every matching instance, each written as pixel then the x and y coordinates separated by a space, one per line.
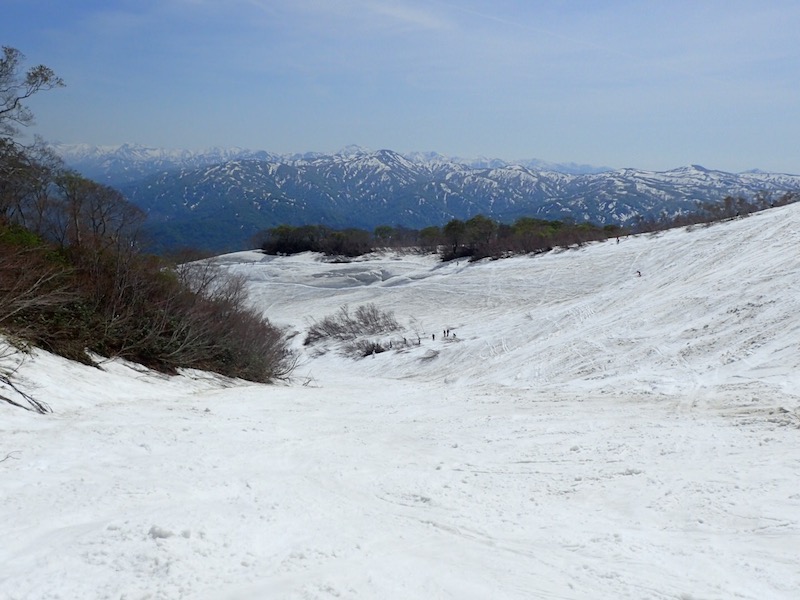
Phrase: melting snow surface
pixel 585 432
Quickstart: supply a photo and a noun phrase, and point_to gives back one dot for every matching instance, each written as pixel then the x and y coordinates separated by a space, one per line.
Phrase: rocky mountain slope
pixel 220 198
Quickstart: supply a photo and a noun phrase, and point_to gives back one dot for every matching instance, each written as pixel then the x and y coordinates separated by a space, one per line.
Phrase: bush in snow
pixel 358 329
pixel 367 320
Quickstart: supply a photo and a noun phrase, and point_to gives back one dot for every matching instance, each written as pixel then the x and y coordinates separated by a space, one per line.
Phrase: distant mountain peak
pixel 220 197
pixel 353 150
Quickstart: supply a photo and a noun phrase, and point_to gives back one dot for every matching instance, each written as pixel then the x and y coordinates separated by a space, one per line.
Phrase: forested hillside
pixel 73 278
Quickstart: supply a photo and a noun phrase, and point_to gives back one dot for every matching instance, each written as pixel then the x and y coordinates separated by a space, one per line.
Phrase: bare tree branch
pixel 10 455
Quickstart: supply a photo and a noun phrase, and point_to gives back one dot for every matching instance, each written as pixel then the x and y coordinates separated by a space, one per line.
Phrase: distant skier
pixel 638 273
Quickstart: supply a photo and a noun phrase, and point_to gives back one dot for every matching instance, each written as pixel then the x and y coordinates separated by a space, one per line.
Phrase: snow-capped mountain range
pixel 217 199
pixel 128 162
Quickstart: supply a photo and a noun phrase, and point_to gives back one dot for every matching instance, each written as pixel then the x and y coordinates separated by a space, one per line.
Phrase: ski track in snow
pixel 587 434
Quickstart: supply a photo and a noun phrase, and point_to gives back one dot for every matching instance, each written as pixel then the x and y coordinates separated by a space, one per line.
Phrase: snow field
pixel 587 434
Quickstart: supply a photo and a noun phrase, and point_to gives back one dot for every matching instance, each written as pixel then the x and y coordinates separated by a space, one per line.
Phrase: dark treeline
pixel 712 212
pixel 73 280
pixel 286 239
pixel 476 238
pixel 481 237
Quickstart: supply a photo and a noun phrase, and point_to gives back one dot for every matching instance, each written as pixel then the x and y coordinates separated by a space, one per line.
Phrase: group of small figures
pixel 445 333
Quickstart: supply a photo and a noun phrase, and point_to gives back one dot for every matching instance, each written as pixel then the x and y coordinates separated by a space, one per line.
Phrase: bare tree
pixel 16 88
pixel 27 185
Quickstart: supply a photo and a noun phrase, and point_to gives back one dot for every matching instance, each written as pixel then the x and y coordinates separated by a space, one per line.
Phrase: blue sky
pixel 623 83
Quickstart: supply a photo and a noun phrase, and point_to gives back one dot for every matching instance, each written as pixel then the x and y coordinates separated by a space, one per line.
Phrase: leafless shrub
pixel 13 351
pixel 118 303
pixel 201 320
pixel 28 281
pixel 367 320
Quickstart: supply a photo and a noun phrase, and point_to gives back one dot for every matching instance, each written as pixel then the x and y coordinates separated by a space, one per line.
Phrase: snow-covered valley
pixel 616 421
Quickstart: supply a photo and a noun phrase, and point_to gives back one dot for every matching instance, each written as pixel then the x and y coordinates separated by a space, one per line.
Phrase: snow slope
pixel 587 433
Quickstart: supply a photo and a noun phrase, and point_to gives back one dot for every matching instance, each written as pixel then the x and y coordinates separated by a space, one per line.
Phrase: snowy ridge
pixel 619 421
pixel 220 198
pixel 144 159
pixel 129 162
pixel 368 189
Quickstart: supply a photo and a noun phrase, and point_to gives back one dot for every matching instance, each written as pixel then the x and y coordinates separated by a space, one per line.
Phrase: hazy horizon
pixel 618 84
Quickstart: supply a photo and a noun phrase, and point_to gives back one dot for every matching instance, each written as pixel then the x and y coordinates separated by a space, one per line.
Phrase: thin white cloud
pixel 561 75
pixel 409 15
pixel 346 15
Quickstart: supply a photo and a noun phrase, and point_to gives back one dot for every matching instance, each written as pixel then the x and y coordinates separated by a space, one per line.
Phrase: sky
pixel 620 83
